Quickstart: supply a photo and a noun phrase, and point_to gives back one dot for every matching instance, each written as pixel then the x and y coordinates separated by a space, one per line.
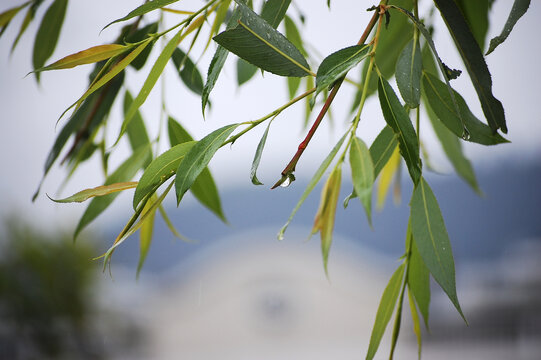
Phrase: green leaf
pixel 324 220
pixel 419 279
pixel 312 184
pixel 336 65
pixel 170 225
pixel 448 73
pixel 362 173
pixel 150 81
pixel 217 63
pixel 293 84
pixel 476 13
pixel 255 41
pixel 138 36
pixel 274 11
pixel 204 188
pixel 93 111
pixel 382 148
pixel 390 171
pixel 453 149
pixel 8 15
pixel 145 235
pixel 293 35
pixel 159 170
pixel 125 172
pixel 143 9
pixel 257 156
pixel 245 71
pixel 31 12
pixel 197 159
pixel 137 132
pixel 48 33
pixel 88 56
pixel 408 74
pixel 177 134
pixel 519 8
pixel 391 41
pixel 97 191
pixel 385 310
pixel 416 324
pixel 430 236
pixel 441 103
pixel 188 72
pixel 112 73
pixel 475 63
pixel 397 118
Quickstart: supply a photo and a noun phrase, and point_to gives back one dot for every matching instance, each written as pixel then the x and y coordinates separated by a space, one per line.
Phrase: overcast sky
pixel 29 112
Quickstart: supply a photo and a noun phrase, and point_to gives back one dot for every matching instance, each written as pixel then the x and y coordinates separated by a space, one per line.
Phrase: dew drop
pixel 286 182
pixel 466 134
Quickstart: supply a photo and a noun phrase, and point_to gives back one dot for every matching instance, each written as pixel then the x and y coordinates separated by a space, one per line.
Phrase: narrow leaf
pixel 97 191
pixel 382 148
pixel 475 63
pixel 274 11
pixel 391 41
pixel 293 35
pixel 170 225
pixel 30 13
pixel 136 37
pixel 397 118
pixel 255 41
pixel 408 74
pixel 159 170
pixel 419 280
pixel 519 8
pixel 188 72
pixel 125 172
pixel 312 184
pixel 88 56
pixel 8 15
pixel 245 71
pixel 145 234
pixel 92 112
pixel 362 173
pixel 48 33
pixel 197 159
pixel 113 72
pixel 336 65
pixel 453 150
pixel 476 14
pixel 416 324
pixel 177 134
pixel 430 236
pixel 324 220
pixel 204 188
pixel 143 9
pixel 217 63
pixel 137 132
pixel 388 172
pixel 257 157
pixel 441 103
pixel 385 310
pixel 150 81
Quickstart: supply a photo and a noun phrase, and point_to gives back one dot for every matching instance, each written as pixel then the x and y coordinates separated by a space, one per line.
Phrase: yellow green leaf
pixel 97 191
pixel 386 178
pixel 324 220
pixel 88 56
pixel 147 228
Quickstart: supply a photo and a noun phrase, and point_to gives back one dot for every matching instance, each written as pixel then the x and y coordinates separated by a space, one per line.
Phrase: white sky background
pixel 29 112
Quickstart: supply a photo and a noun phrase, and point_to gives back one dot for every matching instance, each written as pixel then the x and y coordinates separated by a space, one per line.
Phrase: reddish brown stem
pixel 290 168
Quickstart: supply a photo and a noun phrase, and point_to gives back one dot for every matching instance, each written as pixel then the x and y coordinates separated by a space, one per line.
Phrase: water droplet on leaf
pixel 466 134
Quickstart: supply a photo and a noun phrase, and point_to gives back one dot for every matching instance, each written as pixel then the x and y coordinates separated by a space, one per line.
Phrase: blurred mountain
pixel 481 228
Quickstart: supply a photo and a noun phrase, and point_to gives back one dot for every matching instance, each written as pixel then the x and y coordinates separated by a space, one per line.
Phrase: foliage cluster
pixel 397 41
